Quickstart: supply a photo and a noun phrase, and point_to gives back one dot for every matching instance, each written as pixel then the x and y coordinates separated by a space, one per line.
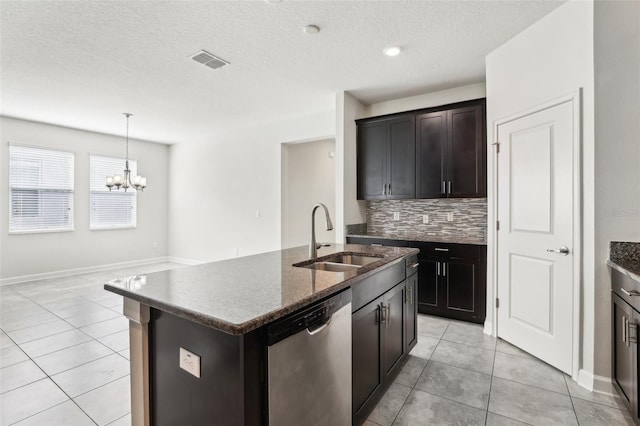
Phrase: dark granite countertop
pixel 426 238
pixel 239 295
pixel 625 257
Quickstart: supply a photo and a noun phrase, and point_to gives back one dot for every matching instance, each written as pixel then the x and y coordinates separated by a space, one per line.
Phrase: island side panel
pixel 139 315
pixel 228 390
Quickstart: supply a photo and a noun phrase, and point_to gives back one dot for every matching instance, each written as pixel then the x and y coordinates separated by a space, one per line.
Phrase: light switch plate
pixel 190 362
pixel 425 219
pixel 396 215
pixel 450 216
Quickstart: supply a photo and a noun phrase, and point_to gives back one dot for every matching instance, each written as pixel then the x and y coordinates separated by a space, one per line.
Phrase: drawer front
pixel 373 287
pixel 411 265
pixel 447 250
pixel 627 288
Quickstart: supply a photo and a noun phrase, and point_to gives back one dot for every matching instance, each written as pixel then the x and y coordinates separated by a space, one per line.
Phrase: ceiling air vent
pixel 206 58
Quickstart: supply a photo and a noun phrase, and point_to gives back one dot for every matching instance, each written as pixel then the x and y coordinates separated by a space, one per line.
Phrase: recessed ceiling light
pixel 311 29
pixel 392 50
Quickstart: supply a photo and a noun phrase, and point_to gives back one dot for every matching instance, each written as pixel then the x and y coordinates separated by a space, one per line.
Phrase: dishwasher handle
pixel 317 328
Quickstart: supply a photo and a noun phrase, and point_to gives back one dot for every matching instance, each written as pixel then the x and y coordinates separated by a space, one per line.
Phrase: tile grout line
pixel 493 368
pixel 573 407
pixel 54 406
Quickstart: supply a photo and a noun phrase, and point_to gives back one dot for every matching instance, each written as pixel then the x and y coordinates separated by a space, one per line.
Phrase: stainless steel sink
pixel 339 262
pixel 352 259
pixel 331 267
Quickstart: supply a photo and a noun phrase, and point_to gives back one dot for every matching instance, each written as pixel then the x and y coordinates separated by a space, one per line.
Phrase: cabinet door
pixel 431 141
pixel 402 156
pixel 428 279
pixel 411 312
pixel 366 351
pixel 463 289
pixel 392 329
pixel 466 164
pixel 623 366
pixel 372 160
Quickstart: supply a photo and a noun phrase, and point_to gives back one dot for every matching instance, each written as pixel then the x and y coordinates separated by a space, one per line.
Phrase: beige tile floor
pixel 64 361
pixel 64 351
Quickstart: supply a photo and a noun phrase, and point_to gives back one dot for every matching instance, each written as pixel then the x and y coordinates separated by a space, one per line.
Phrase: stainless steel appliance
pixel 309 365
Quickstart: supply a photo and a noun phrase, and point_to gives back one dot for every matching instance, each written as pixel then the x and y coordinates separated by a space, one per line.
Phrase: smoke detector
pixel 206 58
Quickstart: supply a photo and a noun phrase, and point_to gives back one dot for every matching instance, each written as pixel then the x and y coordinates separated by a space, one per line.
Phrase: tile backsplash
pixel 469 217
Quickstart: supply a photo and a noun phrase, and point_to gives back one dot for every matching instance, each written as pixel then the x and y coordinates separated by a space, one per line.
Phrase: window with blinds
pixel 40 190
pixel 110 209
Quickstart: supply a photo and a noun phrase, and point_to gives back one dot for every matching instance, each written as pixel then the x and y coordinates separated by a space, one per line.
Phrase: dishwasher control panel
pixel 315 315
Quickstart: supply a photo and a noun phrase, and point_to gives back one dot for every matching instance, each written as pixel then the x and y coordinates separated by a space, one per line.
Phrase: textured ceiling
pixel 82 63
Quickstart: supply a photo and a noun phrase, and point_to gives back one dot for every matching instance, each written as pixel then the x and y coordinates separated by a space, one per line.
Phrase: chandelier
pixel 126 182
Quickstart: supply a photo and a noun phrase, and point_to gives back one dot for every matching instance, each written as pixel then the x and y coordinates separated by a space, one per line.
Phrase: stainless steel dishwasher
pixel 309 365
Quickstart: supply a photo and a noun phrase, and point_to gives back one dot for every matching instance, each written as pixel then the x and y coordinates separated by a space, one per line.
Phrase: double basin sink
pixel 340 262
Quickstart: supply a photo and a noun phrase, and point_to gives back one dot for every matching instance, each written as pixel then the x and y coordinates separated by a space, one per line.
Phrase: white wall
pixel 426 100
pixel 617 149
pixel 348 209
pixel 308 177
pixel 551 58
pixel 217 188
pixel 27 254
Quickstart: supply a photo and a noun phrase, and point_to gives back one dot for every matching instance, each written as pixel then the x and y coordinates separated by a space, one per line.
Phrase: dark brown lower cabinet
pixel 452 277
pixel 381 330
pixel 452 281
pixel 411 312
pixel 625 318
pixel 366 355
pixel 624 351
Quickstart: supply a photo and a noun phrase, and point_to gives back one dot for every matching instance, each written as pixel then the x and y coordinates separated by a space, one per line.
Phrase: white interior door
pixel 536 165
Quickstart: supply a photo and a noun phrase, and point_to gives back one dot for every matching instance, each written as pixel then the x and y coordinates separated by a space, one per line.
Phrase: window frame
pixel 71 192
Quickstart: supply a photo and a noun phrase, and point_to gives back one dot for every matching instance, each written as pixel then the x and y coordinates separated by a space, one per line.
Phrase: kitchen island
pixel 199 335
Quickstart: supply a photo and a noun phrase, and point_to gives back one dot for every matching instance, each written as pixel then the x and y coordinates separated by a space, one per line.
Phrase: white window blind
pixel 110 209
pixel 40 190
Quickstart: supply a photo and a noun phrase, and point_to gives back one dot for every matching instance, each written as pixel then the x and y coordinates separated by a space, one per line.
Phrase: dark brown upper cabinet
pixel 386 148
pixel 433 153
pixel 451 152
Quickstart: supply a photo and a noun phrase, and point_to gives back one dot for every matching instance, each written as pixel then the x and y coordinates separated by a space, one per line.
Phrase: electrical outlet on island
pixel 425 219
pixel 450 217
pixel 396 215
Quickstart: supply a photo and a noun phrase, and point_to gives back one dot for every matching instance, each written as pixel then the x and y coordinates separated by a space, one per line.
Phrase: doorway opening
pixel 308 178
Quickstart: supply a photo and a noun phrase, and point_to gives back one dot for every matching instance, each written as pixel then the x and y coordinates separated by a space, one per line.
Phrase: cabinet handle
pixel 630 293
pixel 410 292
pixel 389 190
pixel 384 189
pixel 444 191
pixel 624 330
pixel 438 266
pixel 381 313
pixel 415 265
pixel 444 269
pixel 388 314
pixel 441 249
pixel 449 190
pixel 375 245
pixel 632 337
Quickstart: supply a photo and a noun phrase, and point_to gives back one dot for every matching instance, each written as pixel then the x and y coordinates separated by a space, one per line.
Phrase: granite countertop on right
pixel 625 257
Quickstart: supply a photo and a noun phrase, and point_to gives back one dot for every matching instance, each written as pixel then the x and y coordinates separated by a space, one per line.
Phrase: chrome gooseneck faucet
pixel 313 246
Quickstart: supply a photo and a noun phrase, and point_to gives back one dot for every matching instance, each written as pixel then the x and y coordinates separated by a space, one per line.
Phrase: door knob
pixel 562 250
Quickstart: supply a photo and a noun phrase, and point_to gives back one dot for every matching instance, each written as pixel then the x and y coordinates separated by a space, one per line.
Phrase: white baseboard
pixel 585 379
pixel 488 328
pixel 595 383
pixel 185 261
pixel 88 269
